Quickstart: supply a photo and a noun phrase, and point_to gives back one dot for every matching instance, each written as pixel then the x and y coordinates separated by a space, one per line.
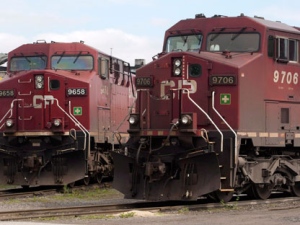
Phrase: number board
pixel 7 93
pixel 76 91
pixel 144 82
pixel 222 80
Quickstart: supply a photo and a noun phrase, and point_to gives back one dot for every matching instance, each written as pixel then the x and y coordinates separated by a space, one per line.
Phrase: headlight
pixel 9 123
pixel 177 62
pixel 39 81
pixel 133 119
pixel 57 122
pixel 177 72
pixel 186 119
pixel 177 66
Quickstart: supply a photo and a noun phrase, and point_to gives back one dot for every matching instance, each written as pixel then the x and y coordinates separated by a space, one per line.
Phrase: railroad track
pixel 38 191
pixel 70 211
pixel 141 206
pixel 20 192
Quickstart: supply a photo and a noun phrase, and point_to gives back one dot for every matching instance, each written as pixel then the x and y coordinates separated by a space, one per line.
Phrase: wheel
pixel 99 178
pixel 295 189
pixel 223 196
pixel 86 181
pixel 261 191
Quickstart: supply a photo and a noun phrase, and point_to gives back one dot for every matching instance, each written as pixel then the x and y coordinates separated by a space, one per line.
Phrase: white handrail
pixel 9 111
pixel 81 127
pixel 118 127
pixel 71 117
pixel 208 117
pixel 235 139
pixel 74 120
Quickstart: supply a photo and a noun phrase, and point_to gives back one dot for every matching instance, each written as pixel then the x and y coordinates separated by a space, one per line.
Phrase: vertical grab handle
pixel 235 135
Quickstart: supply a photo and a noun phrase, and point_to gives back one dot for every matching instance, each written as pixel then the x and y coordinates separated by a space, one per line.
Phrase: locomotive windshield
pixel 184 43
pixel 27 63
pixel 233 42
pixel 74 62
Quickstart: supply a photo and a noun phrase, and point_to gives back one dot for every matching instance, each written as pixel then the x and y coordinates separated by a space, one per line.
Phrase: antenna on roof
pixel 259 17
pixel 200 15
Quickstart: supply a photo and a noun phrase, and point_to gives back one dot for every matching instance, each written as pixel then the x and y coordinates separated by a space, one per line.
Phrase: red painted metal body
pixel 63 106
pixel 216 113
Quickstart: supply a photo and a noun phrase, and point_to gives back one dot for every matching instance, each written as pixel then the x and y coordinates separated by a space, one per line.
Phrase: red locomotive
pixel 62 110
pixel 217 113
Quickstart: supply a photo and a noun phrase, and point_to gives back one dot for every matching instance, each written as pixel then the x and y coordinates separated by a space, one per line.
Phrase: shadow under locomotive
pixel 53 159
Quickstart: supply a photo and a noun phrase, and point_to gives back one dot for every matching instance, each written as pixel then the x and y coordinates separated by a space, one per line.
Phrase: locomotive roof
pixel 275 25
pixel 49 49
pixel 68 46
pixel 203 22
pixel 44 46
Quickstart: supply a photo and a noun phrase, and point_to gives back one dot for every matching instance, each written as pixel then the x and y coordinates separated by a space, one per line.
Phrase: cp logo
pixel 39 99
pixel 191 85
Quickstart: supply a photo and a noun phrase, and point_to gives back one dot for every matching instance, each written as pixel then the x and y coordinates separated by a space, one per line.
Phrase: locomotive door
pixel 54 96
pixel 196 81
pixel 37 109
pixel 272 122
pixel 104 100
pixel 282 118
pixel 103 124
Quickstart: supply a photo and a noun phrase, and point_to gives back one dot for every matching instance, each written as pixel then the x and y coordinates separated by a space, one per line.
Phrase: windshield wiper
pixel 25 57
pixel 217 34
pixel 40 55
pixel 184 38
pixel 58 61
pixel 200 39
pixel 77 57
pixel 238 34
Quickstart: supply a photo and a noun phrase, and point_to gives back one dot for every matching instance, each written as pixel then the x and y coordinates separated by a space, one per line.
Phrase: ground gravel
pixel 285 213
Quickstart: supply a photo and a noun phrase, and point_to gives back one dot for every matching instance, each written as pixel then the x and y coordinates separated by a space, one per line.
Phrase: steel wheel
pixel 296 189
pixel 86 181
pixel 222 196
pixel 99 178
pixel 261 191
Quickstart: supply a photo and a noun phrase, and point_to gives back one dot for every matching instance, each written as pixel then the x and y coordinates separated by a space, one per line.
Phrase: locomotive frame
pixel 63 109
pixel 216 113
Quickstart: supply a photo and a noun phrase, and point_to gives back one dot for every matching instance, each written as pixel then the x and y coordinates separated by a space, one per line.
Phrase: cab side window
pixel 283 49
pixel 103 67
pixel 287 50
pixel 293 47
